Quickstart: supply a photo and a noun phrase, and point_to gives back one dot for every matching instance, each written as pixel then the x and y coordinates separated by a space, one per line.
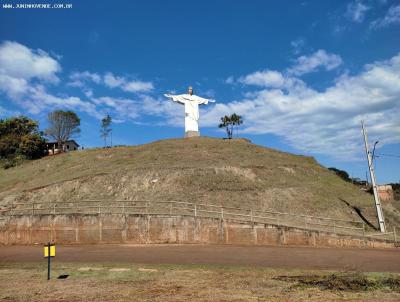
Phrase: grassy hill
pixel 203 170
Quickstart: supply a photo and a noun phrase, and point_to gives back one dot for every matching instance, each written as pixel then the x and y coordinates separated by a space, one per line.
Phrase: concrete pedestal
pixel 192 133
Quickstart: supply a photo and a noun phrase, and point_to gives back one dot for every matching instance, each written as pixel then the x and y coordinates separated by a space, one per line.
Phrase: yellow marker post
pixel 49 251
pixel 52 251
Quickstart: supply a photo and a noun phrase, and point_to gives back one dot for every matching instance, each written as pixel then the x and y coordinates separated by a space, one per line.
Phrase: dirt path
pixel 276 257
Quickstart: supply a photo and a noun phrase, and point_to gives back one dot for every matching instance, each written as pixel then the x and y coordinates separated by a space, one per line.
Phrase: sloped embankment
pixel 233 173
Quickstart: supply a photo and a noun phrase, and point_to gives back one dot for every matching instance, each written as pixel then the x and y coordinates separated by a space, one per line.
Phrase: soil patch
pixel 354 282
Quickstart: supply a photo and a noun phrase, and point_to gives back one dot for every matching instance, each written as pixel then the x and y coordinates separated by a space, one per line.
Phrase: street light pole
pixel 379 212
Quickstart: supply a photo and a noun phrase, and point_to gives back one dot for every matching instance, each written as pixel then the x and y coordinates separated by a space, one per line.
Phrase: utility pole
pixel 379 212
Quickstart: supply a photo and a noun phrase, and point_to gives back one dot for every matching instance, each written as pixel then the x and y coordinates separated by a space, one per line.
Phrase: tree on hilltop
pixel 341 173
pixel 63 125
pixel 237 121
pixel 105 128
pixel 229 122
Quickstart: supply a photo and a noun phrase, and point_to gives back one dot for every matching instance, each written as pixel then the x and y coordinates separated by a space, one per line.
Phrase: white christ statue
pixel 191 103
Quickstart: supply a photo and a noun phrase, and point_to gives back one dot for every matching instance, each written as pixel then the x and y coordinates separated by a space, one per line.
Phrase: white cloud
pixel 13 87
pixel 19 62
pixel 356 11
pixel 79 79
pixel 392 17
pixel 40 100
pixel 320 58
pixel 271 79
pixel 162 107
pixel 112 81
pixel 137 86
pixel 125 109
pixel 298 45
pixel 122 108
pixel 24 74
pixel 325 122
pixel 230 80
pixel 305 64
pixel 36 100
pixel 88 93
pixel 266 78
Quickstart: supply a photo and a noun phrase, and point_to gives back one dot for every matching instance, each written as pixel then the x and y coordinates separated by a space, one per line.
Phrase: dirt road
pixel 372 260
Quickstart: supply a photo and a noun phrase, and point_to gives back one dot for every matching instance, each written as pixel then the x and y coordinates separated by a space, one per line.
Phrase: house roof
pixel 69 141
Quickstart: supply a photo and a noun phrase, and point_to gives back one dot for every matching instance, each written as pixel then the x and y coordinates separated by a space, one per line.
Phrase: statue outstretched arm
pixel 183 98
pixel 201 100
pixel 175 98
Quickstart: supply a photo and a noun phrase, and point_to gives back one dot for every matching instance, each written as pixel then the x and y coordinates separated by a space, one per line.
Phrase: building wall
pixel 385 192
pixel 72 147
pixel 145 229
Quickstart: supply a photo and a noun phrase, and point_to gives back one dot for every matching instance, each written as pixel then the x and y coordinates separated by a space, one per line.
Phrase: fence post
pixel 170 208
pixel 33 208
pixel 99 212
pixel 363 230
pixel 54 208
pixel 251 215
pixel 222 212
pixel 12 207
pixel 277 219
pixel 334 226
pixel 123 208
pixel 195 210
pixel 305 221
pixel 394 234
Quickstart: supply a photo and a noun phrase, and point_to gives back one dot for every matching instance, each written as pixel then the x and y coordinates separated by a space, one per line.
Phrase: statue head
pixel 190 90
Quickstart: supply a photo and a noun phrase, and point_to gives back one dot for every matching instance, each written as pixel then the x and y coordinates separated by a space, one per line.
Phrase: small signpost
pixel 49 251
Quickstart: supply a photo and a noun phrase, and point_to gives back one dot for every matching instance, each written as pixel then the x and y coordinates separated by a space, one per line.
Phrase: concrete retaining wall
pixel 143 229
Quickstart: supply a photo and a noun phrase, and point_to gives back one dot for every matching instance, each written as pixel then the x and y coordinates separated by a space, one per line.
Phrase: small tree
pixel 20 139
pixel 341 173
pixel 63 125
pixel 226 122
pixel 105 128
pixel 237 121
pixel 229 122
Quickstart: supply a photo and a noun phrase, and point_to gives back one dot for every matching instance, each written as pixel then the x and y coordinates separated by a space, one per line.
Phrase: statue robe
pixel 191 103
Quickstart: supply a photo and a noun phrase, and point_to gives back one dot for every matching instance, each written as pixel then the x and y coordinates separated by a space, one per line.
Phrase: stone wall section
pixel 158 229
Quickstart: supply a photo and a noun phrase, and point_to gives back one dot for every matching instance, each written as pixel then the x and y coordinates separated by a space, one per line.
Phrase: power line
pixel 388 155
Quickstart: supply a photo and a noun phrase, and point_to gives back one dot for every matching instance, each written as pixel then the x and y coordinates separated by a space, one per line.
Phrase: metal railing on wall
pixel 173 208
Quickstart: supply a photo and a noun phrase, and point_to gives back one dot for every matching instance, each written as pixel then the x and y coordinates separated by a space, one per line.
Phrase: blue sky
pixel 301 73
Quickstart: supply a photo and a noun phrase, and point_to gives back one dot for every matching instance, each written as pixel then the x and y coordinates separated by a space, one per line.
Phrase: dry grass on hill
pixel 202 170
